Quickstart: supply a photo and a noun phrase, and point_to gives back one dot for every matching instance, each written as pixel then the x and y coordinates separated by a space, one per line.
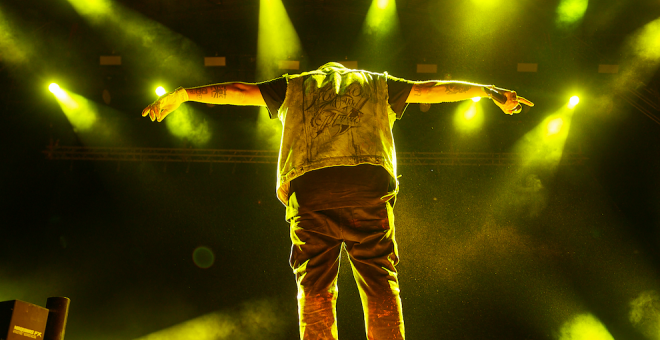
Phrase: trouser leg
pixel 314 259
pixel 372 249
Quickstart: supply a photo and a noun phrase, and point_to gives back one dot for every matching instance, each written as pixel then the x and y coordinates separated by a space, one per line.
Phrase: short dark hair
pixel 332 64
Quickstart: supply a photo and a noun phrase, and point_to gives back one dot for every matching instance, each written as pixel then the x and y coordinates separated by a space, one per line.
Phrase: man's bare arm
pixel 444 91
pixel 451 91
pixel 232 93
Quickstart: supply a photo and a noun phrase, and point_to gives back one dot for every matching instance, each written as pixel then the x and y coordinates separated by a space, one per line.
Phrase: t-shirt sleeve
pixel 398 90
pixel 273 92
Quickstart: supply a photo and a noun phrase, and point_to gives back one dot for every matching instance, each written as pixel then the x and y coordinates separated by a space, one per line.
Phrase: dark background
pixel 486 253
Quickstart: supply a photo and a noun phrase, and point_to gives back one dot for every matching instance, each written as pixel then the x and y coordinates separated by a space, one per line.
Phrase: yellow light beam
pixel 570 12
pixel 13 48
pixel 380 31
pixel 78 110
pixel 153 42
pixel 277 40
pixel 584 327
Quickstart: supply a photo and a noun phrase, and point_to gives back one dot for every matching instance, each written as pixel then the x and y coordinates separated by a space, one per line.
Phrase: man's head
pixel 329 67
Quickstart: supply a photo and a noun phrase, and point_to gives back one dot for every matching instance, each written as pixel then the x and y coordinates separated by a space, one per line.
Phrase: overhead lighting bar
pixel 107 60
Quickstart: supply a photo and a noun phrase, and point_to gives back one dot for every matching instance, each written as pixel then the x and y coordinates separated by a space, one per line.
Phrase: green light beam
pixel 277 40
pixel 189 125
pixel 380 31
pixel 13 47
pixel 570 12
pixel 151 42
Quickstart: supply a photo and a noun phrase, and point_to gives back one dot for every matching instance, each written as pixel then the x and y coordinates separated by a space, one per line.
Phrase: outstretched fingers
pixel 525 101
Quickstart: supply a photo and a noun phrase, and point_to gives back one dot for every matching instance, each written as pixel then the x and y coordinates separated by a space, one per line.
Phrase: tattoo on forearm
pixel 422 89
pixel 200 92
pixel 454 88
pixel 219 91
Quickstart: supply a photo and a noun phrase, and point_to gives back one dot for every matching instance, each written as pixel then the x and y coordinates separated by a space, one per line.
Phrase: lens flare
pixel 160 91
pixel 572 103
pixel 203 257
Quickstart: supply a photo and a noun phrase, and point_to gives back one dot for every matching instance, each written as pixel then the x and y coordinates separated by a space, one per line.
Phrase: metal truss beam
pixel 80 153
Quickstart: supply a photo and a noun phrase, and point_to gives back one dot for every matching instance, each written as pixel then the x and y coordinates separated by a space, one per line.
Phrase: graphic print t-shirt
pixel 340 186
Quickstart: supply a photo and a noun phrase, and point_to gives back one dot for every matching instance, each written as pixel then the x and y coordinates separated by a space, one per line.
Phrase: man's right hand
pixel 165 104
pixel 513 102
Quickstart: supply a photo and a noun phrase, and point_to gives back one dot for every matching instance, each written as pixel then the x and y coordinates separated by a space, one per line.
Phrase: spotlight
pixel 56 90
pixel 573 102
pixel 476 99
pixel 160 91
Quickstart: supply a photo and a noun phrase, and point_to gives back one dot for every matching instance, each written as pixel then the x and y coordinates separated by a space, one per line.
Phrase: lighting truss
pixel 181 155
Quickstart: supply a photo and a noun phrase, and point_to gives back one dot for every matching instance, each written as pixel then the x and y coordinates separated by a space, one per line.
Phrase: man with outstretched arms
pixel 337 177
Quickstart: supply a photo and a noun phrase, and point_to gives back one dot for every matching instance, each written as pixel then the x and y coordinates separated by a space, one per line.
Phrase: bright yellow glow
pixel 381 18
pixel 273 45
pixel 571 11
pixel 470 113
pixel 56 90
pixel 554 126
pixel 81 113
pixel 572 103
pixel 184 123
pixel 647 41
pixel 160 91
pixel 476 99
pixel 468 117
pixel 277 39
pixel 584 327
pixel 257 320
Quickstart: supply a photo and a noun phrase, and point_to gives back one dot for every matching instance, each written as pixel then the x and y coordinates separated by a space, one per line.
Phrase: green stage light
pixel 570 12
pixel 160 91
pixel 572 103
pixel 583 327
pixel 56 90
pixel 155 44
pixel 275 45
pixel 13 46
pixel 382 17
pixel 80 112
pixel 647 42
pixel 468 117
